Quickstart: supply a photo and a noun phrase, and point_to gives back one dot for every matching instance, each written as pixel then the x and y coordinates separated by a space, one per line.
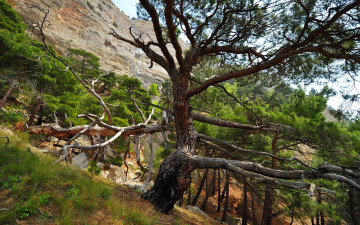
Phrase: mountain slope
pixel 85 25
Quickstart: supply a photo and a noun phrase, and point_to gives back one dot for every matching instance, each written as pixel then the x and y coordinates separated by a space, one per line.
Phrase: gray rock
pixel 79 160
pixel 100 165
pixel 133 185
pixel 75 24
pixel 197 210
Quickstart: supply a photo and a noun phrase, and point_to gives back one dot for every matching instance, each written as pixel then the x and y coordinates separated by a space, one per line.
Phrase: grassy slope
pixel 33 190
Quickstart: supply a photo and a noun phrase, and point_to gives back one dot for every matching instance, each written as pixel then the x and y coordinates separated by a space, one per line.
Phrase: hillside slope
pixel 85 25
pixel 34 190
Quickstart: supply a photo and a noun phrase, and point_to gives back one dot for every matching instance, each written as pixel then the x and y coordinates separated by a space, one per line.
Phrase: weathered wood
pixel 59 132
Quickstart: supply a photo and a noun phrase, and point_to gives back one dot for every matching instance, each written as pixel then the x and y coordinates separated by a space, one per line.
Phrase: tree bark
pixel 219 191
pixel 322 219
pixel 253 208
pixel 226 204
pixel 36 109
pixel 189 193
pixel 209 190
pixel 267 211
pixel 200 187
pixel 7 94
pixel 245 203
pixel 352 206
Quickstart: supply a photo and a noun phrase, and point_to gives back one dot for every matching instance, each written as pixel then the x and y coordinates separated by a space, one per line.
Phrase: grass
pixel 35 189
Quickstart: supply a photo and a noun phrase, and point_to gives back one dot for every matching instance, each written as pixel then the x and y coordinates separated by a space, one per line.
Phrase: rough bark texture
pixel 352 206
pixel 245 205
pixel 226 204
pixel 200 187
pixel 36 109
pixel 170 184
pixel 7 94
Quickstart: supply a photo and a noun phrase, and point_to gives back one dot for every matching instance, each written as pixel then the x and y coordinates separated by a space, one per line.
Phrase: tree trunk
pixel 245 203
pixel 200 187
pixel 36 109
pixel 322 219
pixel 352 206
pixel 189 192
pixel 181 201
pixel 253 208
pixel 267 211
pixel 312 220
pixel 219 191
pixel 226 204
pixel 174 174
pixel 209 190
pixel 7 94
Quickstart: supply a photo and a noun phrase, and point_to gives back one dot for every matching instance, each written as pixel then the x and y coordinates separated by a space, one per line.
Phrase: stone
pixel 100 165
pixel 149 186
pixel 104 174
pixel 133 185
pixel 197 210
pixel 79 161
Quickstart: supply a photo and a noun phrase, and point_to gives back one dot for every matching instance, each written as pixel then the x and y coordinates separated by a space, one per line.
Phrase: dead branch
pixel 151 163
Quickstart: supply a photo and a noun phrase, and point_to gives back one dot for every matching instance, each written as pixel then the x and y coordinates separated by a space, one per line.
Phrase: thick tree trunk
pixel 267 210
pixel 173 179
pixel 174 174
pixel 7 94
pixel 352 206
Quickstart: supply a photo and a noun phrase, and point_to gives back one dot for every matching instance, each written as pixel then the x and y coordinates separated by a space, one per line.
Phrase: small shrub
pixel 44 199
pixel 90 6
pixel 10 117
pixel 115 24
pixel 100 7
pixel 25 210
pixel 105 193
pixel 11 180
pixel 117 161
pixel 93 168
pixel 72 193
pixel 108 5
pixel 97 13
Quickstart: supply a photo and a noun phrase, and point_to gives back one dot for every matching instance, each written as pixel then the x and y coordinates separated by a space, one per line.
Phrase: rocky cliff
pixel 85 24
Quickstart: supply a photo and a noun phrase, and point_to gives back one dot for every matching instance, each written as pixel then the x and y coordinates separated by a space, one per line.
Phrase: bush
pixel 10 117
pixel 90 6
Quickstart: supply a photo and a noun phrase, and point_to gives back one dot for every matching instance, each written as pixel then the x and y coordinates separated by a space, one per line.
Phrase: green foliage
pixel 25 209
pixel 90 5
pixel 153 90
pixel 117 161
pixel 10 116
pixel 10 19
pixel 115 24
pixel 36 183
pixel 93 168
pixel 100 7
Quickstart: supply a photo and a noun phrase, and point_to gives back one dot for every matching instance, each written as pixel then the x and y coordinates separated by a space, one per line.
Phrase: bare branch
pixel 151 163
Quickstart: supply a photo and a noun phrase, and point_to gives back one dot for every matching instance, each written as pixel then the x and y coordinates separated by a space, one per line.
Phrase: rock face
pixel 85 24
